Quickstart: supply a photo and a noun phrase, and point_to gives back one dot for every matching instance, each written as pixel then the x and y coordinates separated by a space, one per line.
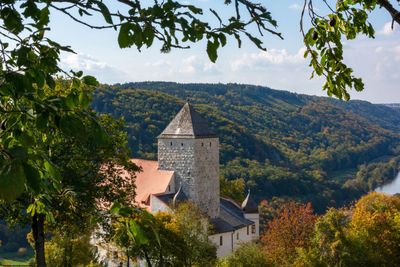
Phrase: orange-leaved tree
pixel 291 228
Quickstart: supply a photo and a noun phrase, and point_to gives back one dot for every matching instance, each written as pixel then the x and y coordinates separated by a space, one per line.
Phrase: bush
pixel 11 247
pixel 32 262
pixel 22 252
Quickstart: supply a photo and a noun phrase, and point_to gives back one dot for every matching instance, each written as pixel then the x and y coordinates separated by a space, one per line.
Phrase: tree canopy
pixel 30 60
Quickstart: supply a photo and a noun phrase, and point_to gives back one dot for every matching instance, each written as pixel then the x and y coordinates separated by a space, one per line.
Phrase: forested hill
pixel 283 144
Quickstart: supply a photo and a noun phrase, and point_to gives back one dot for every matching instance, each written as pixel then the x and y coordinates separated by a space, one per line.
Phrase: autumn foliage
pixel 291 228
pixel 376 223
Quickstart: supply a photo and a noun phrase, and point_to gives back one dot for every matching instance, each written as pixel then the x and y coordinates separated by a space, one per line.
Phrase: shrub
pixel 22 252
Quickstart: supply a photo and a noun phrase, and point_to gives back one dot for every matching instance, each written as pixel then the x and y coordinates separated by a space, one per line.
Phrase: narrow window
pixel 171 143
pixel 253 228
pixel 248 230
pixel 210 144
pixel 202 144
pixel 237 236
pixel 181 144
pixel 169 188
pixel 220 240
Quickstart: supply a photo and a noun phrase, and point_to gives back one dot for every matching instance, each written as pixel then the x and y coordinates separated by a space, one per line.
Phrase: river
pixel 392 187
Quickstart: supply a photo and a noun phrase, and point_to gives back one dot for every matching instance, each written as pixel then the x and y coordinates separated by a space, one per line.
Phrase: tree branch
pixel 393 12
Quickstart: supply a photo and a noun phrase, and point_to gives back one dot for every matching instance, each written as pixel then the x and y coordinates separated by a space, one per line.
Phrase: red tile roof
pixel 150 180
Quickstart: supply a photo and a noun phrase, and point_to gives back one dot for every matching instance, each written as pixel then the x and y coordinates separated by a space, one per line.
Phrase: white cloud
pixel 83 62
pixel 91 66
pixel 270 57
pixel 387 29
pixel 396 51
pixel 193 65
pixel 299 7
pixel 295 7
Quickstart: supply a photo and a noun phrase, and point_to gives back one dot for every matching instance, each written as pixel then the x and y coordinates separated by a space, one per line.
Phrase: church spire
pixel 187 124
pixel 249 205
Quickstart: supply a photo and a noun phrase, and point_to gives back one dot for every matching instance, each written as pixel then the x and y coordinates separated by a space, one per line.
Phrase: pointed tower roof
pixel 179 197
pixel 187 124
pixel 249 205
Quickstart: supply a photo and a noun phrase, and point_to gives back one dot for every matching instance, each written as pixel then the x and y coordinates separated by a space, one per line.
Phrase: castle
pixel 188 168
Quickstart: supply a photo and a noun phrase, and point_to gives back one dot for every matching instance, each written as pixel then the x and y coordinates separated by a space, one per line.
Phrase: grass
pixel 342 176
pixel 11 258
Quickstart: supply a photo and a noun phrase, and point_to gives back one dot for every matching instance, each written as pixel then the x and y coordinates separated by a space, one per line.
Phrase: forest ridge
pixel 284 145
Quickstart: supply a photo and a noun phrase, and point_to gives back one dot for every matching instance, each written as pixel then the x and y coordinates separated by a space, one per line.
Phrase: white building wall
pixel 232 240
pixel 254 217
pixel 171 188
pixel 157 205
pixel 227 245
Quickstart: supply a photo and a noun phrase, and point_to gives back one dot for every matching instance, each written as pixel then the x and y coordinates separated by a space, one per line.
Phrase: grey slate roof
pixel 249 205
pixel 166 198
pixel 231 216
pixel 187 124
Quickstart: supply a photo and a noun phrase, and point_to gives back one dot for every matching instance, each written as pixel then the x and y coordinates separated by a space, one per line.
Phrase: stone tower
pixel 191 149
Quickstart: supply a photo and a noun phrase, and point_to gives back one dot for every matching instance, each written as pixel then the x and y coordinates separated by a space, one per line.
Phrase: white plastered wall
pixel 232 240
pixel 254 217
pixel 226 247
pixel 157 205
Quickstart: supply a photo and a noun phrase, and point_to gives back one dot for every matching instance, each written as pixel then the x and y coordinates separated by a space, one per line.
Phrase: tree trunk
pixel 146 256
pixel 127 255
pixel 38 236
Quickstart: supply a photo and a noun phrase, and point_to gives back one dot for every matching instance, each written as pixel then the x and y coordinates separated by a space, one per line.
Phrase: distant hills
pixel 393 105
pixel 283 144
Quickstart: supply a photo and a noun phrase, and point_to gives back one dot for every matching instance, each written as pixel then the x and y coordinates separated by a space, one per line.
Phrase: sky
pixel 282 67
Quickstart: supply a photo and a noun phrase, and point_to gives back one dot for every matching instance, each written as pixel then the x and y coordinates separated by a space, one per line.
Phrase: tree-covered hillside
pixel 282 144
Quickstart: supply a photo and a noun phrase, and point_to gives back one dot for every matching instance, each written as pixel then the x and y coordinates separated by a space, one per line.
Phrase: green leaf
pixel 148 34
pixel 42 120
pixel 18 153
pixel 12 20
pixel 31 209
pixel 212 51
pixel 216 15
pixel 358 85
pixel 50 217
pixel 100 134
pixel 194 9
pixel 50 82
pixel 33 178
pixel 106 13
pixel 84 99
pixel 90 80
pixel 115 208
pixel 125 211
pixel 12 180
pixel 138 233
pixel 26 139
pixel 53 171
pixel 124 36
pixel 256 41
pixel 72 126
pixel 222 39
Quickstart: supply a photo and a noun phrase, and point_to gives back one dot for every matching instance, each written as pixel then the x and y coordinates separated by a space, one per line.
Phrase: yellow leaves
pixel 169 221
